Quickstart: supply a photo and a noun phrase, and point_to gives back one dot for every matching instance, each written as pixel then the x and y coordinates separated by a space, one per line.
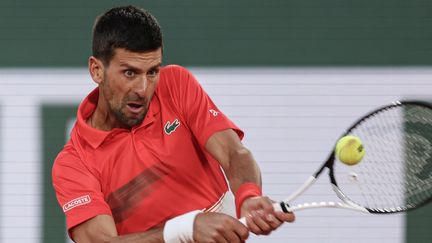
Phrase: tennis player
pixel 151 158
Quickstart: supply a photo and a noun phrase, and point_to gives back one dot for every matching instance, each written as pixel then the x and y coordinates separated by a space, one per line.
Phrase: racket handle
pixel 278 207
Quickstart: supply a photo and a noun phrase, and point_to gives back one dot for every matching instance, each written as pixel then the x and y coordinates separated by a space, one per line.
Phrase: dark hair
pixel 127 27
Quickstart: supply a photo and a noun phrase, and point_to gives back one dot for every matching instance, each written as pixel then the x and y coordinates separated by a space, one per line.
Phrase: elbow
pixel 241 153
pixel 241 158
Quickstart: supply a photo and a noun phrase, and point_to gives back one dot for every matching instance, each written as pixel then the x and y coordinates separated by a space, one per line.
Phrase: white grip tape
pixel 180 228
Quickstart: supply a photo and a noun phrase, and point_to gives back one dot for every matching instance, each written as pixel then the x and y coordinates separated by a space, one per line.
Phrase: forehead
pixel 123 57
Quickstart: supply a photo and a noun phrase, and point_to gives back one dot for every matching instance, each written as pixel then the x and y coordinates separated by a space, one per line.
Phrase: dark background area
pixel 230 33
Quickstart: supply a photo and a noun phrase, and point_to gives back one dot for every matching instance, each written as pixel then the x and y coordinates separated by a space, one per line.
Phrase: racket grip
pixel 278 207
pixel 282 207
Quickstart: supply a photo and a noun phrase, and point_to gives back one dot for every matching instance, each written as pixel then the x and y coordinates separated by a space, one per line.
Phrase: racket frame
pixel 346 202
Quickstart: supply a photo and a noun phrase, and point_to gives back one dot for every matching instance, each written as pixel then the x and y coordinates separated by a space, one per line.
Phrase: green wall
pixel 54 136
pixel 231 33
pixel 418 225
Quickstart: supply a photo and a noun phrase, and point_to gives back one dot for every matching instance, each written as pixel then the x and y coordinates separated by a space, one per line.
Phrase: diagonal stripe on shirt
pixel 126 198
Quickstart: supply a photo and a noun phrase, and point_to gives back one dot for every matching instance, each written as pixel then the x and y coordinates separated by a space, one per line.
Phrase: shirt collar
pixel 94 136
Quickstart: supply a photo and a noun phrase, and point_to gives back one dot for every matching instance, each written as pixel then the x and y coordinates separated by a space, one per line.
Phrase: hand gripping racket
pixel 395 175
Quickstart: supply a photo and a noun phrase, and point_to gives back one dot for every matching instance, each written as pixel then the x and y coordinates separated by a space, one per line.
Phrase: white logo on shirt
pixel 76 202
pixel 213 112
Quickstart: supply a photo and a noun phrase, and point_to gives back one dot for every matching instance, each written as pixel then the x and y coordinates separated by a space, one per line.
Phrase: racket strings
pixel 382 190
pixel 418 141
pixel 396 172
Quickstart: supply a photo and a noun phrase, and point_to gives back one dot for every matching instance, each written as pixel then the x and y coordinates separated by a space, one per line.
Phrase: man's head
pixel 129 28
pixel 127 55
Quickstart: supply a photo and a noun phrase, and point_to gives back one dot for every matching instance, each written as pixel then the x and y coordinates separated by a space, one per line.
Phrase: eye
pixel 129 73
pixel 153 73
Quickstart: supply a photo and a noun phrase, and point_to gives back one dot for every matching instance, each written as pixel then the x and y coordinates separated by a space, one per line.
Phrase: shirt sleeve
pixel 78 191
pixel 203 117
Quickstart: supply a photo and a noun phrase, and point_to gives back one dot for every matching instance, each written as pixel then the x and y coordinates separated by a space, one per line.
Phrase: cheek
pixel 114 93
pixel 152 88
pixel 110 92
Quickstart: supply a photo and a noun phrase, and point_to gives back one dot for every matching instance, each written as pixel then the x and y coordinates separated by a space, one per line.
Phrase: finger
pixel 285 217
pixel 259 219
pixel 252 226
pixel 234 231
pixel 231 236
pixel 219 238
pixel 273 221
pixel 241 230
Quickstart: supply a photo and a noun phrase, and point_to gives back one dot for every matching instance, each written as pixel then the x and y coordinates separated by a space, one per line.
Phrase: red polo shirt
pixel 151 173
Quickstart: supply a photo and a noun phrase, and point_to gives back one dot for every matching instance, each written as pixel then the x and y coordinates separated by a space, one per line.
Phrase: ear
pixel 96 69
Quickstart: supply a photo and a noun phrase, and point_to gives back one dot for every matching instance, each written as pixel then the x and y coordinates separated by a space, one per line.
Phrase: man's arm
pixel 207 227
pixel 240 167
pixel 102 229
pixel 236 160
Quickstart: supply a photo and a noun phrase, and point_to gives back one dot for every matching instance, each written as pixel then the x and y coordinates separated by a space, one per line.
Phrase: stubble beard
pixel 120 115
pixel 123 119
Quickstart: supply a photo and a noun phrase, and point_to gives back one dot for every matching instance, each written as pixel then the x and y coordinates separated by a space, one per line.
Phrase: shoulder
pixel 174 74
pixel 174 71
pixel 68 159
pixel 67 154
pixel 173 80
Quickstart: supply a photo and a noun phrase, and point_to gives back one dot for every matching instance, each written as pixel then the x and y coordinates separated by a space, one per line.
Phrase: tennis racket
pixel 395 175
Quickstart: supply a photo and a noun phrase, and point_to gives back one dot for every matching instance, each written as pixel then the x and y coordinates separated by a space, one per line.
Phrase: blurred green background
pixel 231 33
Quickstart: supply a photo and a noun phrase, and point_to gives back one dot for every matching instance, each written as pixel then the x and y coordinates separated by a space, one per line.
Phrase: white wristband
pixel 180 228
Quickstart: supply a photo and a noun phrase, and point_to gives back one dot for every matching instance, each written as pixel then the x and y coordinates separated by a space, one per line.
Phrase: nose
pixel 141 86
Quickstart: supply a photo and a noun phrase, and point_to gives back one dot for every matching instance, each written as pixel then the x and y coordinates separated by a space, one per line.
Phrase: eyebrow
pixel 137 68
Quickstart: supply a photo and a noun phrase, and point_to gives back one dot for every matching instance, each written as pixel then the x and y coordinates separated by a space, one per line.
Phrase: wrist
pixel 180 228
pixel 244 192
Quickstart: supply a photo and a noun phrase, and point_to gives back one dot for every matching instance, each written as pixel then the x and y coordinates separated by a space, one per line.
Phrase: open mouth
pixel 134 107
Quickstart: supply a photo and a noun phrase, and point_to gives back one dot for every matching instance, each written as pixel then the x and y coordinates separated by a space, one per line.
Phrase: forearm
pixel 242 168
pixel 236 160
pixel 238 164
pixel 101 229
pixel 151 236
pixel 89 235
pixel 178 229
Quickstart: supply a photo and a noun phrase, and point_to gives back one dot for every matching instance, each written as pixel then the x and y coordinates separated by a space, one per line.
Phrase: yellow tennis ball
pixel 350 150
